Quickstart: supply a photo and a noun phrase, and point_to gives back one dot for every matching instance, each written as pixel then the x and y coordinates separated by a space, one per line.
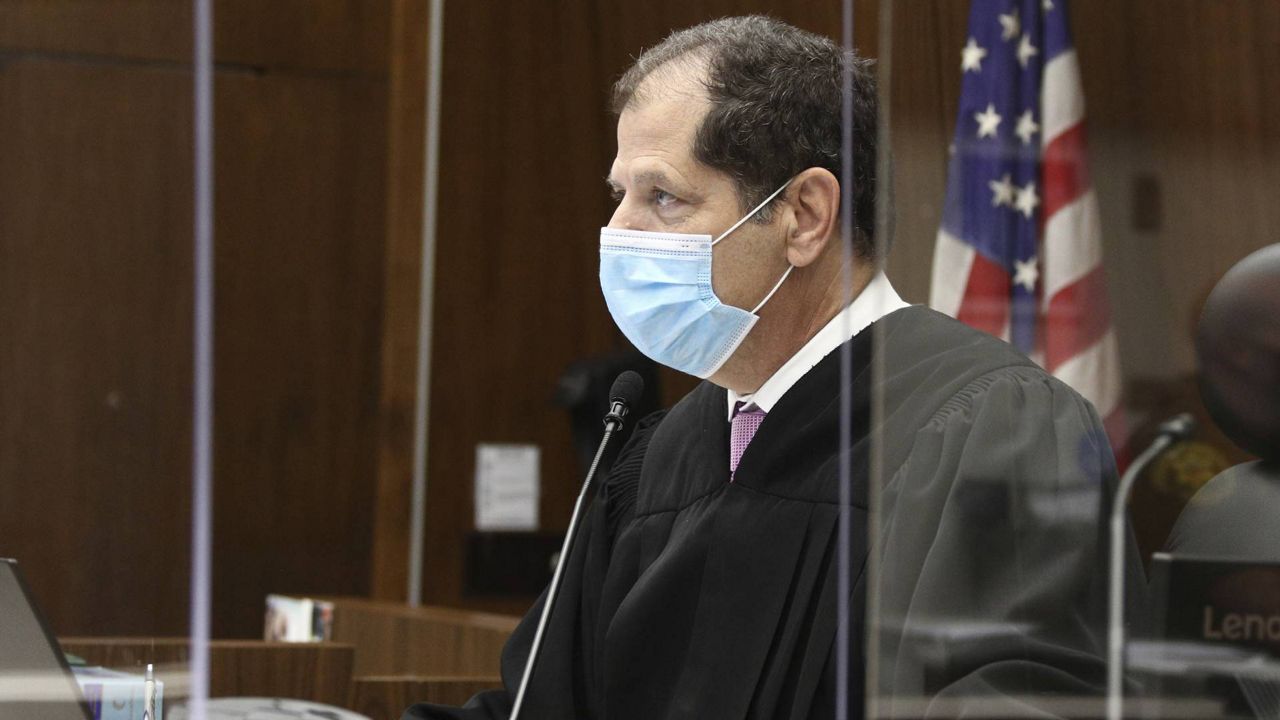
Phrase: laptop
pixel 35 681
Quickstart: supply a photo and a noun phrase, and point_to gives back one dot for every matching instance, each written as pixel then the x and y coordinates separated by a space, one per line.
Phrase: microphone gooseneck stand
pixel 1179 427
pixel 626 391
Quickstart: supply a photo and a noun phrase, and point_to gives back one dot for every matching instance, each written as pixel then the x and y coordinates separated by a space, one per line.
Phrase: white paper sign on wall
pixel 507 486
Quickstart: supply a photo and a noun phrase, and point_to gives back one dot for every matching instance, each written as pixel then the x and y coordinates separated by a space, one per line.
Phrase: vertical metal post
pixel 844 534
pixel 884 226
pixel 426 285
pixel 202 405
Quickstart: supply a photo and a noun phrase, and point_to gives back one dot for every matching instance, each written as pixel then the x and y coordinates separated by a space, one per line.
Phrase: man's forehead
pixel 681 81
pixel 660 122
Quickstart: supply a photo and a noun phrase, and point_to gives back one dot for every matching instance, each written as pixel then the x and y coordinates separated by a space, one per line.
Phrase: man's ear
pixel 814 201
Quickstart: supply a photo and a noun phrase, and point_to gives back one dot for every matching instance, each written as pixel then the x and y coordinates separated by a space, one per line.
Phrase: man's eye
pixel 662 198
pixel 617 194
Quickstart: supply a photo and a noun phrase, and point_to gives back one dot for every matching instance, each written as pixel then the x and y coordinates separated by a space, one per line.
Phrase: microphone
pixel 626 392
pixel 1176 429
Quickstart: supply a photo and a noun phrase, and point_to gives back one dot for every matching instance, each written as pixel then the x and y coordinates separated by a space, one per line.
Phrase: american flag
pixel 1019 253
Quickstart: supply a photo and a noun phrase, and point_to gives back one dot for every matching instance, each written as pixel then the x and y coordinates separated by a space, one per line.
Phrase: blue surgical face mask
pixel 658 289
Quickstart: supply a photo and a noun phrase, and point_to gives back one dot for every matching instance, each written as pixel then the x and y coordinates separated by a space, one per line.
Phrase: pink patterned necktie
pixel 741 429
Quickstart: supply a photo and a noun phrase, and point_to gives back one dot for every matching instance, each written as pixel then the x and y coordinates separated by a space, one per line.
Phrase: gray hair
pixel 775 107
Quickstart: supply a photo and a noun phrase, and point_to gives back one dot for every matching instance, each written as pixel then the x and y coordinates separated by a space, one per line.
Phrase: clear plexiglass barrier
pixel 954 327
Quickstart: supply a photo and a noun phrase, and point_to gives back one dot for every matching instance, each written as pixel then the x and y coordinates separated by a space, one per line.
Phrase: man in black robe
pixel 703 583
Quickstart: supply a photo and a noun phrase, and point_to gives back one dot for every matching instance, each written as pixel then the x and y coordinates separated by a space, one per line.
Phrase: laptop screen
pixel 34 679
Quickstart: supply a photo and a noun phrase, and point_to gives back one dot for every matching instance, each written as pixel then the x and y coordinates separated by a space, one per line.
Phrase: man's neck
pixel 777 338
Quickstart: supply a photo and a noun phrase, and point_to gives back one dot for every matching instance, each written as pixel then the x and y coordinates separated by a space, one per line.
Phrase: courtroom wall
pixel 319 147
pixel 96 299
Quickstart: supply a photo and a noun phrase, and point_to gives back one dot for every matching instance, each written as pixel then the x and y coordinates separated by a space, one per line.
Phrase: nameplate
pixel 1216 601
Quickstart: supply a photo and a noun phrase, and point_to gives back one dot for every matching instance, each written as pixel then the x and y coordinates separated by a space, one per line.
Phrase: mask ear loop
pixel 776 285
pixel 752 214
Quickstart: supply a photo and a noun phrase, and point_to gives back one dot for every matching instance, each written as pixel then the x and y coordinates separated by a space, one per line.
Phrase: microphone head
pixel 1179 427
pixel 627 389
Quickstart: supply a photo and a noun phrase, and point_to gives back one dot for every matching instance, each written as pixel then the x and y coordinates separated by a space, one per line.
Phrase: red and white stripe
pixel 1079 344
pixel 1079 341
pixel 969 287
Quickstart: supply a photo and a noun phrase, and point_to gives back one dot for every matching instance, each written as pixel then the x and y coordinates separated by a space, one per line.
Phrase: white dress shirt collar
pixel 875 301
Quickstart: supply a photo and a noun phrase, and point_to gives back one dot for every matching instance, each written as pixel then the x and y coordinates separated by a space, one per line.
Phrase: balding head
pixel 775 100
pixel 1238 346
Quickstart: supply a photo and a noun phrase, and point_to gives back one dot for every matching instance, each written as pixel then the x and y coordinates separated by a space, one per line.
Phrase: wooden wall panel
pixel 95 218
pixel 301 201
pixel 335 35
pixel 95 288
pixel 341 36
pixel 924 92
pixel 116 29
pixel 406 141
pixel 1206 130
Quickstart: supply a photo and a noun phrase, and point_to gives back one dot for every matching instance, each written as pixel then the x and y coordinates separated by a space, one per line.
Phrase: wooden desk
pixel 393 639
pixel 307 671
pixel 384 657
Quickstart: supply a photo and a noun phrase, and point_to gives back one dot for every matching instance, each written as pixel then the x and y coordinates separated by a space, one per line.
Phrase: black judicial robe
pixel 688 596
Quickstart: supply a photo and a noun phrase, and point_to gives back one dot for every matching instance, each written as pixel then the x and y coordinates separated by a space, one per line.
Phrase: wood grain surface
pixel 320 672
pixel 394 639
pixel 95 300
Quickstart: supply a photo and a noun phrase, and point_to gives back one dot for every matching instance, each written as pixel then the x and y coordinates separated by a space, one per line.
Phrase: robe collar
pixel 875 301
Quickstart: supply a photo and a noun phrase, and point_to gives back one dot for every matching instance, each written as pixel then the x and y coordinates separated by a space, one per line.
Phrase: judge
pixel 703 583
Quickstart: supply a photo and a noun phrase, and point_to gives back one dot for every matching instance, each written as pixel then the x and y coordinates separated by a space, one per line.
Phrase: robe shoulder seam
pixel 699 498
pixel 811 501
pixel 622 483
pixel 963 399
pixel 758 491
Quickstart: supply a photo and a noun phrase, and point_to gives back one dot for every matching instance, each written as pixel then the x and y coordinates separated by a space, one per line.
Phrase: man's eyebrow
pixel 650 177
